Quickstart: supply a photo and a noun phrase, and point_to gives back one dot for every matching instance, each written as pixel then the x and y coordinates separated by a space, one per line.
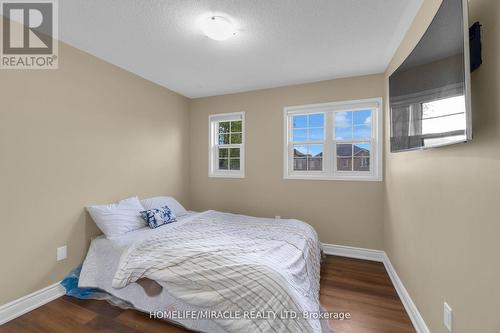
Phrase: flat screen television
pixel 430 92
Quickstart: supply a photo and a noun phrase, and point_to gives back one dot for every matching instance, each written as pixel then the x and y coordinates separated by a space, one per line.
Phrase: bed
pixel 217 272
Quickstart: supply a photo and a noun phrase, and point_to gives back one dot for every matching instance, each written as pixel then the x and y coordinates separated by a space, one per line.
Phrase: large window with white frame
pixel 336 141
pixel 227 145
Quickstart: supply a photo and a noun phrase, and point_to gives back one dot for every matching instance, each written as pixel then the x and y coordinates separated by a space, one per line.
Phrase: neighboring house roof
pixel 345 150
pixel 361 151
pixel 298 153
pixel 342 150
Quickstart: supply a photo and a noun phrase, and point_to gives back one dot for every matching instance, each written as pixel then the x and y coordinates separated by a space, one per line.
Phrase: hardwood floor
pixel 364 289
pixel 359 287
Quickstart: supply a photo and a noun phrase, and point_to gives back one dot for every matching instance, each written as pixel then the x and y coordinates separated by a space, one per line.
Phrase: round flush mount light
pixel 217 28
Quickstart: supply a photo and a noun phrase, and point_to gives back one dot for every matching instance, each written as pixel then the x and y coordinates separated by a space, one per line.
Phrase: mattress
pixel 104 257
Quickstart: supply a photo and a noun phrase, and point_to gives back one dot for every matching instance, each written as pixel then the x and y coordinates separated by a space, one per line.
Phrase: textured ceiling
pixel 280 42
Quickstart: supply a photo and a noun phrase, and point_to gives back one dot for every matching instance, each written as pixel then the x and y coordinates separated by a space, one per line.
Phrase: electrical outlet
pixel 448 317
pixel 62 253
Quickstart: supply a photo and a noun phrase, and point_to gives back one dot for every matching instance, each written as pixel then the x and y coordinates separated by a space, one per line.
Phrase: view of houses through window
pixel 353 132
pixel 340 140
pixel 333 140
pixel 352 136
pixel 308 138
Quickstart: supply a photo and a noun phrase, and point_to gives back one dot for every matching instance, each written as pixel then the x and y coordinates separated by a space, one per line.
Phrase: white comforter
pixel 214 261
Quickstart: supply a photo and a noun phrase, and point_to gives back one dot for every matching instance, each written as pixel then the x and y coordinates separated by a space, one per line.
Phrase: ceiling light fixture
pixel 217 28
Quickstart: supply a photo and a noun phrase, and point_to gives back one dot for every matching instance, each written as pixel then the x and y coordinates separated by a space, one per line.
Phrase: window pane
pixel 299 121
pixel 315 150
pixel 236 126
pixel 223 164
pixel 362 131
pixel 361 164
pixel 224 127
pixel 315 164
pixel 343 125
pixel 343 133
pixel 344 163
pixel 361 149
pixel 236 138
pixel 316 134
pixel 343 119
pixel 223 139
pixel 317 120
pixel 235 164
pixel 362 117
pixel 300 151
pixel 308 157
pixel 299 135
pixel 223 152
pixel 300 164
pixel 235 152
pixel 344 149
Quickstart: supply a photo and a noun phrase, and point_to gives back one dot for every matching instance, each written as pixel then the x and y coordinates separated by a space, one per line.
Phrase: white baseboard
pixel 380 256
pixel 30 302
pixel 410 307
pixel 353 252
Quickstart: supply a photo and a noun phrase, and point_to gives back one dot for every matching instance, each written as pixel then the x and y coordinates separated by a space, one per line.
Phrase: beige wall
pixel 93 133
pixel 347 213
pixel 86 133
pixel 442 229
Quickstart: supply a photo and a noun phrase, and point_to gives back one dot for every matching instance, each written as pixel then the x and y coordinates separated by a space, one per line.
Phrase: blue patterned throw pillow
pixel 158 217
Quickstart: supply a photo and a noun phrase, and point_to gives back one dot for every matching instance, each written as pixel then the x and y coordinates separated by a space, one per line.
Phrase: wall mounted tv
pixel 430 92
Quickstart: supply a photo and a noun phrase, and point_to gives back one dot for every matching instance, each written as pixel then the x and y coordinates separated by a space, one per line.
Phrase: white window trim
pixel 329 166
pixel 213 170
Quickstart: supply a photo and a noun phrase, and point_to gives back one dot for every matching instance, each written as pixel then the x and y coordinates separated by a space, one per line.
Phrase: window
pixel 338 141
pixel 226 145
pixel 308 139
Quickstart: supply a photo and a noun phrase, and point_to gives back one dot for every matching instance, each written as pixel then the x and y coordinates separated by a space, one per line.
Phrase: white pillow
pixel 118 218
pixel 160 202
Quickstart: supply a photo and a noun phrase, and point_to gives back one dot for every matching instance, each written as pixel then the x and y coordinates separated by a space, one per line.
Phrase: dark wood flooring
pixel 359 287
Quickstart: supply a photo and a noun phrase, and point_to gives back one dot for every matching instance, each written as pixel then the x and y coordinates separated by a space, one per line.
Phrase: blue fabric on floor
pixel 70 283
